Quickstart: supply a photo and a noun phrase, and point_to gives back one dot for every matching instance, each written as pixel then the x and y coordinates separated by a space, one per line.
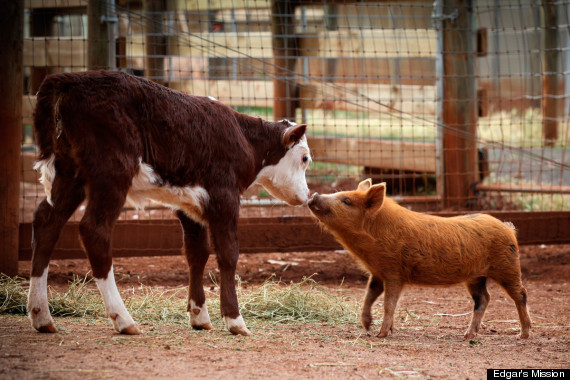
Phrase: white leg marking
pixel 38 306
pixel 114 305
pixel 199 316
pixel 47 170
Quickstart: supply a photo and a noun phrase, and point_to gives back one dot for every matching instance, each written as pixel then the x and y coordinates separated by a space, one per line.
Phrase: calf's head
pixel 285 179
pixel 348 210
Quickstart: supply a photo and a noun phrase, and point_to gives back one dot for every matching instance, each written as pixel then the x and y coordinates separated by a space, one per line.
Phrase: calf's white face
pixel 286 180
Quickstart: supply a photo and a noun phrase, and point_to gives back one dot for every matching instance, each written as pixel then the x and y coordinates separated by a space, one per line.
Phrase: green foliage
pixel 527 201
pixel 264 112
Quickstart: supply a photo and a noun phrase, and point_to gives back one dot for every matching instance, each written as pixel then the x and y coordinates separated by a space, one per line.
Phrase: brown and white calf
pixel 107 137
pixel 398 247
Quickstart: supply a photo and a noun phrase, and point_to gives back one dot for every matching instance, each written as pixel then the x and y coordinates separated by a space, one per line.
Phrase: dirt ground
pixel 427 345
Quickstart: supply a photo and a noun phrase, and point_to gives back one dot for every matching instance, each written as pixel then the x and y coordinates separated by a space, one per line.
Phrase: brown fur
pixel 100 124
pixel 398 247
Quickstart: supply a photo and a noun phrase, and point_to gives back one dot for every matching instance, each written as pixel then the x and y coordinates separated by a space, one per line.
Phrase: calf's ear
pixel 374 198
pixel 364 185
pixel 293 134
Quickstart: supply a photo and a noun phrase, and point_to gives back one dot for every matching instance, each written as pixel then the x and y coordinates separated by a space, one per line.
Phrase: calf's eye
pixel 305 159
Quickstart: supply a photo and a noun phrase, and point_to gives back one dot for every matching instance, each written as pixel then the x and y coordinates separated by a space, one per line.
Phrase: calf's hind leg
pixel 197 250
pixel 373 291
pixel 104 206
pixel 67 193
pixel 478 290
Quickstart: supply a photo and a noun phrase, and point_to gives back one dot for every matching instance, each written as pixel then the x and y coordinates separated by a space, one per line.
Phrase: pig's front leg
pixel 393 291
pixel 374 289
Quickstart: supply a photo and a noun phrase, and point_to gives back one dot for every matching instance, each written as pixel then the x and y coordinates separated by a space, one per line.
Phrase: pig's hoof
pixel 131 330
pixel 524 336
pixel 49 328
pixel 469 335
pixel 205 326
pixel 382 334
pixel 240 330
pixel 366 322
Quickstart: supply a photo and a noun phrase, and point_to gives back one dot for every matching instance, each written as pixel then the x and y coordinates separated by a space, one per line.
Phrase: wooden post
pixel 459 108
pixel 12 89
pixel 551 83
pixel 155 40
pixel 331 23
pixel 97 36
pixel 40 26
pixel 285 53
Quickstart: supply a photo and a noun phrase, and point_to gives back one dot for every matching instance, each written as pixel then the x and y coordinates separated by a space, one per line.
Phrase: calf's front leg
pixel 225 239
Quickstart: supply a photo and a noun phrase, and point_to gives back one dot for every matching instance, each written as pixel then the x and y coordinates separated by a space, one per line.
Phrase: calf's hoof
pixel 41 320
pixel 237 326
pixel 50 328
pixel 131 330
pixel 469 335
pixel 240 330
pixel 205 326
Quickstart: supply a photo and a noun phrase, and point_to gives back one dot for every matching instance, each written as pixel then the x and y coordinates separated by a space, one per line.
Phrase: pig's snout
pixel 314 202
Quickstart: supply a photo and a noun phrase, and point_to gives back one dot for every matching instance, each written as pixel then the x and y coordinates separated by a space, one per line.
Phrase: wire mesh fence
pixel 421 95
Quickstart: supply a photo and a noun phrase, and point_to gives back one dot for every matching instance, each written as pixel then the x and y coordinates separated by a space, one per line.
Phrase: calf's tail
pixel 45 116
pixel 45 133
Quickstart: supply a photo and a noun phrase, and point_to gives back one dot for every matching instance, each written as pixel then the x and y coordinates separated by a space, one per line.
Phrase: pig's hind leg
pixel 374 289
pixel 518 293
pixel 478 290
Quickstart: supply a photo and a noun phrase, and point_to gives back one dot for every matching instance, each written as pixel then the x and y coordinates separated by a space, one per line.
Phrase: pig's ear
pixel 293 134
pixel 375 197
pixel 364 185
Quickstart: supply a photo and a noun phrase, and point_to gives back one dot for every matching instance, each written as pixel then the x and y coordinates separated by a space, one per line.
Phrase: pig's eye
pixel 346 201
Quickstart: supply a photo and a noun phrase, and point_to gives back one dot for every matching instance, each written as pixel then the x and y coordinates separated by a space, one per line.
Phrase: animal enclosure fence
pixel 455 104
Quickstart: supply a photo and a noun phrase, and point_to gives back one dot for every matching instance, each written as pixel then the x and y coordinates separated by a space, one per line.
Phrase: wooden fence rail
pixel 164 237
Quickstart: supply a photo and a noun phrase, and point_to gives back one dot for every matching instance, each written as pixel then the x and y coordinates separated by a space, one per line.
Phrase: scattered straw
pixel 12 295
pixel 272 302
pixel 77 301
pixel 302 302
